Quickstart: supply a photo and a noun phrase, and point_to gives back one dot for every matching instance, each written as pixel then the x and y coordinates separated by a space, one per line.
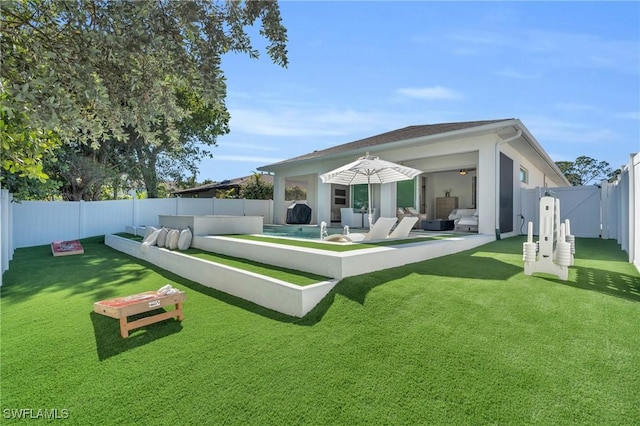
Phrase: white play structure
pixel 553 253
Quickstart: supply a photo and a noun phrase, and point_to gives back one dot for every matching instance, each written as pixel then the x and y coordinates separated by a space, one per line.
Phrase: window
pixel 295 190
pixel 405 195
pixel 524 175
pixel 360 195
pixel 339 197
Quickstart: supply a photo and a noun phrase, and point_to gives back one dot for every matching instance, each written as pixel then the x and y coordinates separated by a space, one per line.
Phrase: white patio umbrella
pixel 369 169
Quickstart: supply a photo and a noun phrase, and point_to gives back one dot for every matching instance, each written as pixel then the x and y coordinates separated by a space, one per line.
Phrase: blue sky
pixel 569 70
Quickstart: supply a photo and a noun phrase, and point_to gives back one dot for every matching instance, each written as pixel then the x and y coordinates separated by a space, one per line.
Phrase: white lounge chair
pixel 404 227
pixel 379 231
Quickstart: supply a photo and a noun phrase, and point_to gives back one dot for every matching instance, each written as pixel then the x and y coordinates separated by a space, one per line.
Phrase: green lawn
pixel 464 339
pixel 291 276
pixel 338 247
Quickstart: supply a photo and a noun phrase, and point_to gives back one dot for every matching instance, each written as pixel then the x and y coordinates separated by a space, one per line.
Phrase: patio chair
pixel 465 219
pixel 404 227
pixel 403 212
pixel 421 216
pixel 350 218
pixel 379 231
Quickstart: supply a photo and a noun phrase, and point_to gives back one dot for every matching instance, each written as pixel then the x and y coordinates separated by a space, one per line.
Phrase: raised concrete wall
pixel 214 224
pixel 271 293
pixel 334 264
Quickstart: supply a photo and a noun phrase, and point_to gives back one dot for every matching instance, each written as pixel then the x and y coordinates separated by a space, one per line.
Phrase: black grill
pixel 299 214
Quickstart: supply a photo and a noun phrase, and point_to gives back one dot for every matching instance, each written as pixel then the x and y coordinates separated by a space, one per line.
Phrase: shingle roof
pixel 405 133
pixel 225 184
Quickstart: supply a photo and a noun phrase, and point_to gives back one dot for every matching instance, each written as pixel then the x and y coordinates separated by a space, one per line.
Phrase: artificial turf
pixel 291 276
pixel 462 339
pixel 335 246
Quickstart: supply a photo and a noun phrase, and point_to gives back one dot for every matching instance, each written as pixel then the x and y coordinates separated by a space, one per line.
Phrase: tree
pixel 584 170
pixel 170 159
pixel 295 193
pixel 257 189
pixel 23 153
pixel 226 193
pixel 88 71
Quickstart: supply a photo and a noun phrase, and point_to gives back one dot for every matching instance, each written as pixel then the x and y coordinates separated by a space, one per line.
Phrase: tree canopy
pixel 585 170
pixel 146 73
pixel 257 189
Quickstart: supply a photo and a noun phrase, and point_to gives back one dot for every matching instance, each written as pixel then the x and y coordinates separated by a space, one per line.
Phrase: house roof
pixel 406 133
pixel 225 184
pixel 421 133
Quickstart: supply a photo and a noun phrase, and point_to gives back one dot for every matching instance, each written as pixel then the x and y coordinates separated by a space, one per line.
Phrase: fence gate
pixel 580 204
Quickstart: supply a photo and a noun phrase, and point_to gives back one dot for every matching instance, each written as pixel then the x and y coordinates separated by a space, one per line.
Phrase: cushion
pixel 149 240
pixel 166 240
pixel 412 211
pixel 148 230
pixel 172 239
pixel 162 237
pixel 184 241
pixel 152 238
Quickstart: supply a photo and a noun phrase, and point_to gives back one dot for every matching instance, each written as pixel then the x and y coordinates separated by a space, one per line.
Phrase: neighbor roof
pixel 410 132
pixel 225 184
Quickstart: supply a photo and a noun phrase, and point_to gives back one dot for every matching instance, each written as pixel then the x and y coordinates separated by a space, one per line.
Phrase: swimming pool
pixel 307 232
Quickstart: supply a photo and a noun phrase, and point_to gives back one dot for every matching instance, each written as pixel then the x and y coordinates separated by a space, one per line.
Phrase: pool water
pixel 293 231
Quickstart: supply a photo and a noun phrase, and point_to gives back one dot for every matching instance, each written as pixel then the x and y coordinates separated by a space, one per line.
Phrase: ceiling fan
pixel 466 170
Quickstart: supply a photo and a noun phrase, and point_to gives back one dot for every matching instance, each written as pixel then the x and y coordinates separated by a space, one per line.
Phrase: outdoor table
pixel 123 307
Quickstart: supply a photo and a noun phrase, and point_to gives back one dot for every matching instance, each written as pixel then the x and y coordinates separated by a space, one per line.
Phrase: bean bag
pixel 162 237
pixel 172 239
pixel 184 242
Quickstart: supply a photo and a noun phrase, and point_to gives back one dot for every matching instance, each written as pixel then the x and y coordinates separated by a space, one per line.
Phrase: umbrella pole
pixel 369 200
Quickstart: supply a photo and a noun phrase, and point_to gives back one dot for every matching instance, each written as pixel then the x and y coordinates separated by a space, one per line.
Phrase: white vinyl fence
pixel 607 210
pixel 610 212
pixel 33 223
pixel 580 204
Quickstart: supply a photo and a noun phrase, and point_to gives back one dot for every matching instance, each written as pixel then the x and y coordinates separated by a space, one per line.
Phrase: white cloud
pixel 576 107
pixel 476 37
pixel 553 48
pixel 274 123
pixel 310 121
pixel 631 115
pixel 251 146
pixel 548 129
pixel 436 92
pixel 512 73
pixel 247 159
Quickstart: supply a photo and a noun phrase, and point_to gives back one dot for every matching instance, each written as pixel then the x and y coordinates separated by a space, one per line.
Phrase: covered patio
pixel 479 166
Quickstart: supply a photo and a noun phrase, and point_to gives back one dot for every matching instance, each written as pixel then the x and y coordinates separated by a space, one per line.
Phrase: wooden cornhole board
pixel 123 307
pixel 65 248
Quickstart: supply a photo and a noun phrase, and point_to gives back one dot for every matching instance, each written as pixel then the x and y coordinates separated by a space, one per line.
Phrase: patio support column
pixel 388 199
pixel 323 202
pixel 486 198
pixel 279 204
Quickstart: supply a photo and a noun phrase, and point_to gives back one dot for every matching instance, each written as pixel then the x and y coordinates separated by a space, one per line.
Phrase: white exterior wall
pixel 536 179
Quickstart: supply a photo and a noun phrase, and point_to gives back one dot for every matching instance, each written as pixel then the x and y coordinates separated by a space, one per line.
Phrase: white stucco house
pixel 482 165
